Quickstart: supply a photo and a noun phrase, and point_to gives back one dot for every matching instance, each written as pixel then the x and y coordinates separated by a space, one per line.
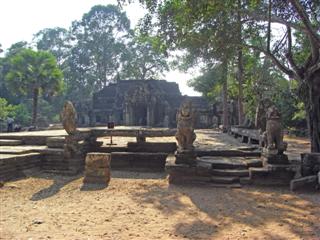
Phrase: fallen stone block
pixel 304 183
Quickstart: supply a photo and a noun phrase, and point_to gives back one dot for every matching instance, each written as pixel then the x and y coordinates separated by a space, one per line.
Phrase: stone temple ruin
pixel 157 103
pixel 152 103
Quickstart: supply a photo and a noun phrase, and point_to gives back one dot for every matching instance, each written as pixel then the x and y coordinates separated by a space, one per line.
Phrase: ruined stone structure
pixel 146 103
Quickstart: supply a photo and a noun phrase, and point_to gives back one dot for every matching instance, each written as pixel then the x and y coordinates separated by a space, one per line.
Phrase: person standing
pixel 10 122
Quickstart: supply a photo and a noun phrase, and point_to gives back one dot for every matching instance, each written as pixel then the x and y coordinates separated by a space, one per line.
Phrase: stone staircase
pixel 218 171
pixel 10 142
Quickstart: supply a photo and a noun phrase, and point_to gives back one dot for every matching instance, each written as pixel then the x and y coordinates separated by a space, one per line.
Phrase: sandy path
pixel 144 206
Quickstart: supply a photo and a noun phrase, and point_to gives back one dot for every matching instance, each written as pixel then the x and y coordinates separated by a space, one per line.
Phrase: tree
pixel 34 73
pixel 55 40
pixel 99 40
pixel 257 17
pixel 143 60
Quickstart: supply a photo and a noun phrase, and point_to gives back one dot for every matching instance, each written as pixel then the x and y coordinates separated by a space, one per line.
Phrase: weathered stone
pixel 227 153
pixel 310 163
pixel 97 169
pixel 224 180
pixel 55 142
pixel 304 182
pixel 136 160
pixel 274 131
pixel 152 147
pixel 10 142
pixel 271 177
pixel 231 172
pixel 98 160
pixel 185 127
pixel 142 103
pixel 68 117
pixel 96 180
pixel 275 159
pixel 185 157
pixel 97 172
pixel 223 163
pixel 254 163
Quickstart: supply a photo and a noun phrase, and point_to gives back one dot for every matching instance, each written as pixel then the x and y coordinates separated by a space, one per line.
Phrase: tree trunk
pixel 225 117
pixel 313 116
pixel 240 68
pixel 240 87
pixel 35 106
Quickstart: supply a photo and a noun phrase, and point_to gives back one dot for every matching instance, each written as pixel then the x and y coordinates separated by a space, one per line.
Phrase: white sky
pixel 20 19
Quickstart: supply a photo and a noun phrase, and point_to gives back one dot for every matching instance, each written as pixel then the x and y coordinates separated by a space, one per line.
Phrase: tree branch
pixel 289 55
pixel 304 17
pixel 273 19
pixel 282 67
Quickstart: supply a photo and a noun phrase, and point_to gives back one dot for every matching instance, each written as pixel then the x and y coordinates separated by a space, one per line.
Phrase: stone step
pixel 227 153
pixel 230 172
pixel 224 163
pixel 22 149
pixel 10 142
pixel 224 180
pixel 152 147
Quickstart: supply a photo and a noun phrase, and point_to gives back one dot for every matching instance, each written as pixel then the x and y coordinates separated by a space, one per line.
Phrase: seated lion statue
pixel 185 126
pixel 274 132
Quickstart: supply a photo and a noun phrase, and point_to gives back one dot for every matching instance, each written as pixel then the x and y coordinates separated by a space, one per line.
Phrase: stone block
pixel 10 142
pixel 227 153
pixel 186 158
pixel 224 180
pixel 230 172
pixel 152 147
pixel 97 172
pixel 96 180
pixel 271 177
pixel 275 159
pixel 152 161
pixel 98 160
pixel 303 183
pixel 310 164
pixel 55 142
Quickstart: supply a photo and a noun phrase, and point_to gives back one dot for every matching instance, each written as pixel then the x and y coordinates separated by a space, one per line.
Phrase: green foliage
pixel 18 112
pixel 5 109
pixel 143 59
pixel 209 83
pixel 99 41
pixel 35 73
pixel 31 70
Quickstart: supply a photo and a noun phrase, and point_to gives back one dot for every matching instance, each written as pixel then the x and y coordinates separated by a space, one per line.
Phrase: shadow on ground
pixel 59 182
pixel 252 208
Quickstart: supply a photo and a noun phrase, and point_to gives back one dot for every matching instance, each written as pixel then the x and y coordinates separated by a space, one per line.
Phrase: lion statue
pixel 274 132
pixel 185 126
pixel 68 117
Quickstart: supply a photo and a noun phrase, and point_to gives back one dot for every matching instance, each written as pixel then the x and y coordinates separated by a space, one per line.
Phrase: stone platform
pixel 223 171
pixel 13 166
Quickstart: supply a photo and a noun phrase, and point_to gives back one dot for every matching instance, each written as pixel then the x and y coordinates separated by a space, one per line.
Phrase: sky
pixel 20 19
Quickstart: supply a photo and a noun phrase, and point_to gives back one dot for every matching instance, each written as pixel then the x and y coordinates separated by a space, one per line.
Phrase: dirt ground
pixel 144 206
